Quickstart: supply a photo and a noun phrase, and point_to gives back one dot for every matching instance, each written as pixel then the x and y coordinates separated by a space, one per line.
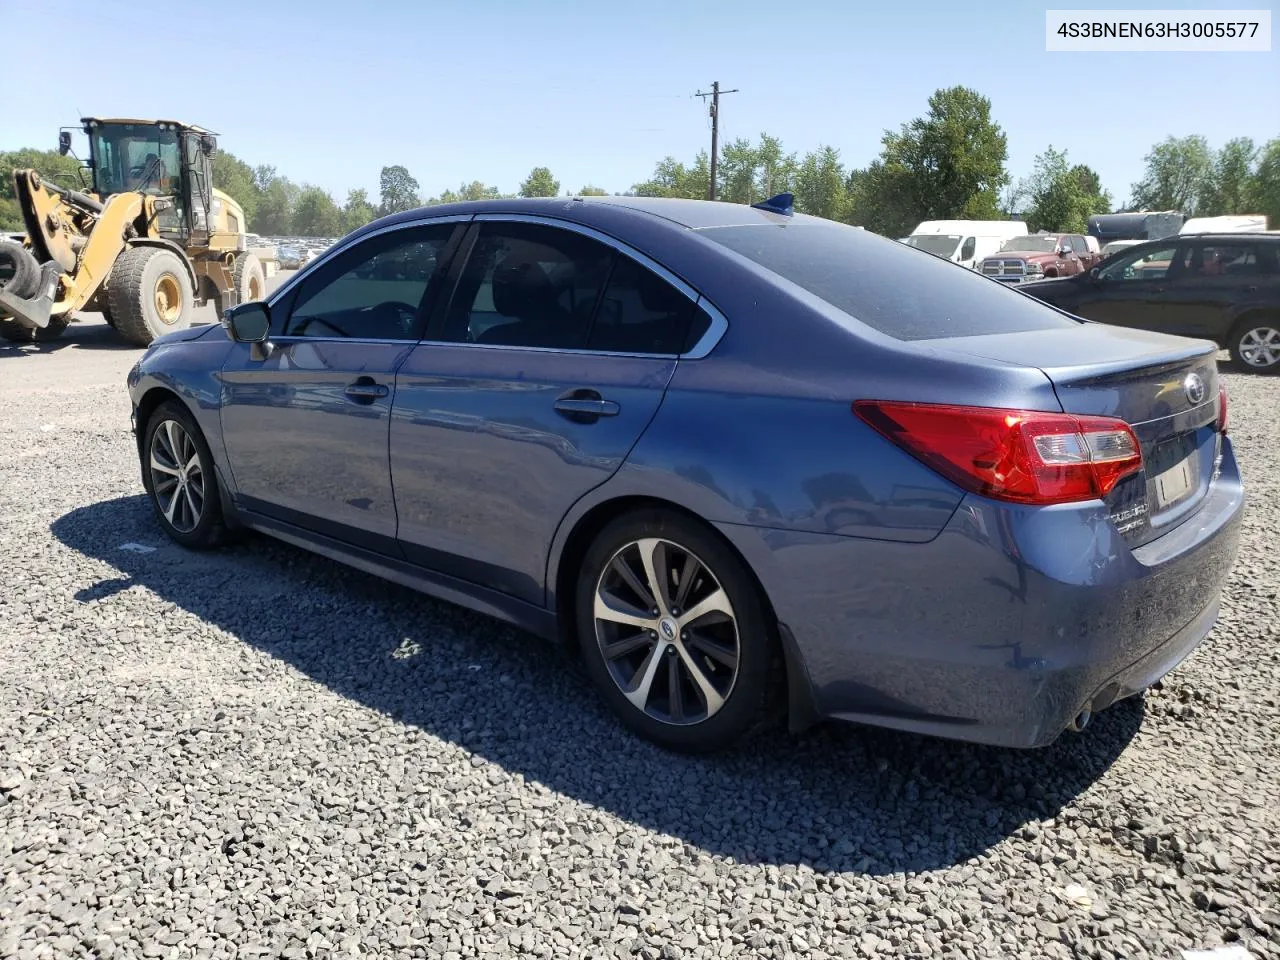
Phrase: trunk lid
pixel 1165 388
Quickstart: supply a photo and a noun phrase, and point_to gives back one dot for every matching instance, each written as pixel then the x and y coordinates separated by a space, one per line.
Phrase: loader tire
pixel 249 278
pixel 17 333
pixel 149 294
pixel 19 271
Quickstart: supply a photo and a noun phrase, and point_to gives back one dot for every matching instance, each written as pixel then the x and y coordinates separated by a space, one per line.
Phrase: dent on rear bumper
pixel 1003 627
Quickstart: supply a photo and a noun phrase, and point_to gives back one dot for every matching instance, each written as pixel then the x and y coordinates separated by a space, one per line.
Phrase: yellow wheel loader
pixel 145 243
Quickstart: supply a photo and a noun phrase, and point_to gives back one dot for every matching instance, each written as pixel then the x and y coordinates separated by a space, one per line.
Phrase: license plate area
pixel 1175 484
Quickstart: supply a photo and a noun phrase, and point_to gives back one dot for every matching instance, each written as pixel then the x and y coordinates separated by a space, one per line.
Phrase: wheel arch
pixel 564 563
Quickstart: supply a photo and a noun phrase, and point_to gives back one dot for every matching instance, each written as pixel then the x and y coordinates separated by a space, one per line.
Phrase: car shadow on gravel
pixel 838 798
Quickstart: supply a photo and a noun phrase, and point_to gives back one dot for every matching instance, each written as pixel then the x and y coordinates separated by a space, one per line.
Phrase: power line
pixel 715 130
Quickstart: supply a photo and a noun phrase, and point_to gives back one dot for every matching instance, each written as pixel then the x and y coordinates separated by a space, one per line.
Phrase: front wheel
pixel 675 633
pixel 149 294
pixel 180 478
pixel 1255 345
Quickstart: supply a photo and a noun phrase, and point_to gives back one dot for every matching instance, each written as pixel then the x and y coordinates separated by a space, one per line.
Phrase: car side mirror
pixel 1066 250
pixel 208 146
pixel 64 142
pixel 1095 274
pixel 250 323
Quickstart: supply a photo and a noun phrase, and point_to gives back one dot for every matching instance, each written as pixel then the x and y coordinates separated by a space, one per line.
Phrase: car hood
pixel 1030 255
pixel 183 336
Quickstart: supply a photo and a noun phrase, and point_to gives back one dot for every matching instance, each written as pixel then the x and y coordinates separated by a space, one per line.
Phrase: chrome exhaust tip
pixel 1081 720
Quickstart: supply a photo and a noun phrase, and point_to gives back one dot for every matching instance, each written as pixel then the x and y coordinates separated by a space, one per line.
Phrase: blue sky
pixel 330 91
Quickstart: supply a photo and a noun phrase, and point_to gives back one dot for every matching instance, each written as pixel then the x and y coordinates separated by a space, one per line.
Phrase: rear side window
pixel 886 285
pixel 640 313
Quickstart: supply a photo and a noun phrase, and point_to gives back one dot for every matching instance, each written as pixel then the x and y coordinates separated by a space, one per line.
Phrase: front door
pixel 306 427
pixel 1210 277
pixel 1130 291
pixel 552 359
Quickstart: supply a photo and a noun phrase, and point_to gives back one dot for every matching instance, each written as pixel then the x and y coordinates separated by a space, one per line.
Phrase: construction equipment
pixel 145 243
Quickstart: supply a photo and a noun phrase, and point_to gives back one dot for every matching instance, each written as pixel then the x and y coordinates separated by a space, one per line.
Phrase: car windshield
pixel 884 285
pixel 135 156
pixel 939 244
pixel 1030 244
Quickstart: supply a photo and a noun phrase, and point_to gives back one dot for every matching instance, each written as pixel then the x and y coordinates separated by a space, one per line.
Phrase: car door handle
pixel 365 390
pixel 585 406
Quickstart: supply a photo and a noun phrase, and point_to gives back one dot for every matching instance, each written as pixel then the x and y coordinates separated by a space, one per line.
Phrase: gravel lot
pixel 260 753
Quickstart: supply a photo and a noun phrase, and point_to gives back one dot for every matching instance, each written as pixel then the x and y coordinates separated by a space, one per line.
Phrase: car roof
pixel 680 213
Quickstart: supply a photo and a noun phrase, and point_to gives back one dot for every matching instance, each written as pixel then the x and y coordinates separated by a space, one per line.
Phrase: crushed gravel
pixel 260 753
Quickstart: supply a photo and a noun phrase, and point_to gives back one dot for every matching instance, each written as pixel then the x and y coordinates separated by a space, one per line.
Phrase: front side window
pixel 377 290
pixel 528 285
pixel 970 245
pixel 1144 264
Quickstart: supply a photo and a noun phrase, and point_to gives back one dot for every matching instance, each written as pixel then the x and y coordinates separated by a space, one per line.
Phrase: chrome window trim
pixel 343 246
pixel 706 343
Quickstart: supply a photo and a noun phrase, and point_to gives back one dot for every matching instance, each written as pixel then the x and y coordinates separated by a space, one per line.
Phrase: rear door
pixel 1208 281
pixel 530 389
pixel 306 427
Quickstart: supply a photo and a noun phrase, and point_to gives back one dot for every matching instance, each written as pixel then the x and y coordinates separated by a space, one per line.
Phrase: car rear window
pixel 890 287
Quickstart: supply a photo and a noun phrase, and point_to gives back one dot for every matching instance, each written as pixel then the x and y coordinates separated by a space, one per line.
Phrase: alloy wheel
pixel 666 631
pixel 1260 347
pixel 177 478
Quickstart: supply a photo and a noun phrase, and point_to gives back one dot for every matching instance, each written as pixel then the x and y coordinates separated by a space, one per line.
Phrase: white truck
pixel 966 242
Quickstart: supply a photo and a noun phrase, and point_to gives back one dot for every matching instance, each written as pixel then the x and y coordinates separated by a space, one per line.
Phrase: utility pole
pixel 715 131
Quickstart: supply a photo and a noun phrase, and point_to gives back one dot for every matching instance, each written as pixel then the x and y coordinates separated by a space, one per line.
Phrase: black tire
pixel 1247 339
pixel 249 278
pixel 17 333
pixel 142 279
pixel 746 696
pixel 210 529
pixel 19 271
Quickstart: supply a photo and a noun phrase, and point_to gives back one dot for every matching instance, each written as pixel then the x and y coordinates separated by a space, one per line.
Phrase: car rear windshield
pixel 901 292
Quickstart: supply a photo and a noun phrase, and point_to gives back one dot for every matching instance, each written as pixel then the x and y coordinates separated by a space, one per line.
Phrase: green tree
pixel 946 165
pixel 50 164
pixel 316 214
pixel 1225 190
pixel 357 211
pixel 1063 197
pixel 540 183
pixel 234 177
pixel 398 190
pixel 673 179
pixel 1178 170
pixel 953 158
pixel 1262 192
pixel 591 191
pixel 820 184
pixel 275 206
pixel 475 190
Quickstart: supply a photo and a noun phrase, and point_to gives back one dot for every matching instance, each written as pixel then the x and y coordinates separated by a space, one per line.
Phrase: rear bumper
pixel 1006 625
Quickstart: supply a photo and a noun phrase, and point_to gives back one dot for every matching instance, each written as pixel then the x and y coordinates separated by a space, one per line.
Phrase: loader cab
pixel 160 159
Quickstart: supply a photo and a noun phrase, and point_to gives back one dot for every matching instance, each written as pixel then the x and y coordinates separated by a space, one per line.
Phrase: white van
pixel 966 242
pixel 1245 223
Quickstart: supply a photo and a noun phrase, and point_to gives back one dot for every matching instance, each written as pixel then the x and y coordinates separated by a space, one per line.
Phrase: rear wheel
pixel 249 278
pixel 180 478
pixel 675 633
pixel 1255 344
pixel 149 294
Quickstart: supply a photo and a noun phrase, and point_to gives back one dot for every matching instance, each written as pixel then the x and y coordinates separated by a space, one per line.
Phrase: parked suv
pixel 1037 256
pixel 1223 287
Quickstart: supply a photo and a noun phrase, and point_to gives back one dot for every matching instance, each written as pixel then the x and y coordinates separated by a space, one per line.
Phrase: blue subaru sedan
pixel 737 459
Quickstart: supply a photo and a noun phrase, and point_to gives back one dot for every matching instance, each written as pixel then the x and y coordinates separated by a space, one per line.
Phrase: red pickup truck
pixel 1039 256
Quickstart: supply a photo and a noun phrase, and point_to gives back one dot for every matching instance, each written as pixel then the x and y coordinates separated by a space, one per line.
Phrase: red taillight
pixel 1222 408
pixel 1026 456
